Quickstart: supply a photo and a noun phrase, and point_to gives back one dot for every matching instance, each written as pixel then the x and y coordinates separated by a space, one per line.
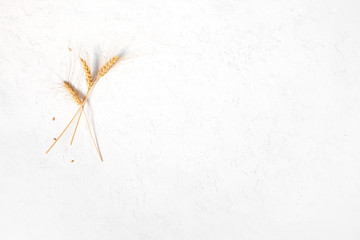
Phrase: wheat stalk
pixel 87 71
pixel 97 149
pixel 67 126
pixel 89 83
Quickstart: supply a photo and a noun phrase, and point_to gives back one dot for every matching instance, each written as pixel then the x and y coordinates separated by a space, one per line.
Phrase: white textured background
pixel 228 120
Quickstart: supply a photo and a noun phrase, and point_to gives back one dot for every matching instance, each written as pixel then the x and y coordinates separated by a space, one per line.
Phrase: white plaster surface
pixel 228 120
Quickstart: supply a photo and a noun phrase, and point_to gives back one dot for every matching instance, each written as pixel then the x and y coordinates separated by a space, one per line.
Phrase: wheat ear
pixel 103 70
pixel 76 97
pixel 87 71
pixel 73 92
pixel 107 66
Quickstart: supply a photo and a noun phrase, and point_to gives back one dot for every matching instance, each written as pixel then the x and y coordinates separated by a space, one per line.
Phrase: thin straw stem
pixel 72 139
pixel 92 137
pixel 57 139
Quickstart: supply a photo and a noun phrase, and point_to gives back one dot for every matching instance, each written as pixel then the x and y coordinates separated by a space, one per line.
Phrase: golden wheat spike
pixel 73 92
pixel 87 71
pixel 107 66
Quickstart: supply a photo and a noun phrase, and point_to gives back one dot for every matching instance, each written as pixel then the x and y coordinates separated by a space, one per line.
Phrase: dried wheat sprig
pixel 67 126
pixel 87 71
pixel 76 96
pixel 103 70
pixel 89 83
pixel 83 103
pixel 73 92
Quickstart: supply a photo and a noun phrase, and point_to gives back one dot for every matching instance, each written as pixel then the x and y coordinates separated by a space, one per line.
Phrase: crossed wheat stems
pixel 75 94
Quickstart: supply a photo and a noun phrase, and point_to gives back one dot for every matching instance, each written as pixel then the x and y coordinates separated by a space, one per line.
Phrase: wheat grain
pixel 73 92
pixel 107 66
pixel 87 71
